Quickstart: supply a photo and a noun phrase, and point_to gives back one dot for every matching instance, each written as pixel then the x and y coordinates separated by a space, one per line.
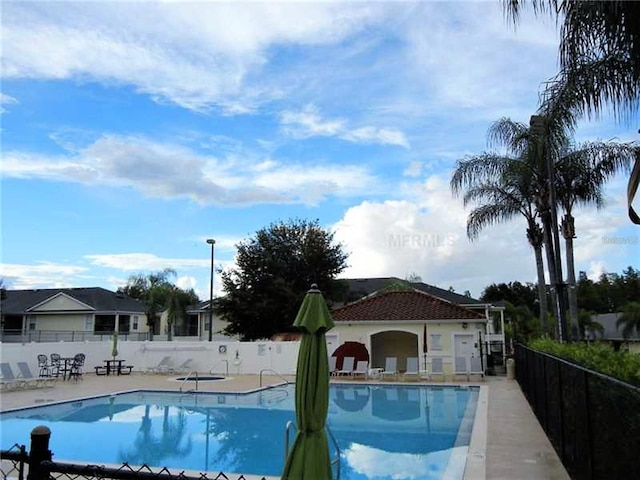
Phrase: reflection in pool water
pixel 384 433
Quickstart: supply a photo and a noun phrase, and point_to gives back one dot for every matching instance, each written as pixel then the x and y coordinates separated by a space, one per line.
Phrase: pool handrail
pixel 272 371
pixel 186 379
pixel 336 461
pixel 226 362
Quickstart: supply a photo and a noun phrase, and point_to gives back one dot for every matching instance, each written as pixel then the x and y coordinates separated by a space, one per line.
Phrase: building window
pixel 32 323
pixel 124 323
pixel 135 322
pixel 436 341
pixel 88 323
pixel 105 324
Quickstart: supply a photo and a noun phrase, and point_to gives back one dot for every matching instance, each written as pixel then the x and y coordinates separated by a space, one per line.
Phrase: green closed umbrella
pixel 114 345
pixel 309 456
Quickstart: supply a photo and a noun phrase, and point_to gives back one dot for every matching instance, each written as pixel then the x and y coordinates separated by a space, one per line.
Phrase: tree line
pixel 610 293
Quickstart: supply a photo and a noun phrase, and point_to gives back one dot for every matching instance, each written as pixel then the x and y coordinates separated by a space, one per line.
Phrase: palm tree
pixel 599 60
pixel 580 174
pixel 159 294
pixel 177 302
pixel 492 183
pixel 630 319
pixel 537 148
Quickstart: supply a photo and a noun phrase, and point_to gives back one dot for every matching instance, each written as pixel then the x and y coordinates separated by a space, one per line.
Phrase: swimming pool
pixel 384 432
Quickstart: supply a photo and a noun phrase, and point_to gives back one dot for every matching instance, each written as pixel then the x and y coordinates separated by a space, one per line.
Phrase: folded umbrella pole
pixel 309 456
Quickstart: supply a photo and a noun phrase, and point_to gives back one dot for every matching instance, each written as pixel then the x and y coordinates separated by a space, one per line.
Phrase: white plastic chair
pixel 461 368
pixel 332 365
pixel 390 367
pixel 347 366
pixel 362 368
pixel 163 366
pixel 436 367
pixel 412 367
pixel 476 367
pixel 27 375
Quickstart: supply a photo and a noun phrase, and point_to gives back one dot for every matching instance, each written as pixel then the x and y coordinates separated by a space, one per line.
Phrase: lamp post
pixel 211 242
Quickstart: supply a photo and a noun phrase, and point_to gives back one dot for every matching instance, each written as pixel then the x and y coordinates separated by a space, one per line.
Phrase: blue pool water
pixel 384 432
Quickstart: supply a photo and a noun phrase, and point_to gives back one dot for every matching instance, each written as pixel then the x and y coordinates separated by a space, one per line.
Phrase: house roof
pixel 366 286
pixel 18 302
pixel 611 331
pixel 407 305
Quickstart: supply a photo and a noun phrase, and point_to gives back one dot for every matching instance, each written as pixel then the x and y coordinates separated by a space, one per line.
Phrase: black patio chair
pixel 55 365
pixel 43 365
pixel 77 367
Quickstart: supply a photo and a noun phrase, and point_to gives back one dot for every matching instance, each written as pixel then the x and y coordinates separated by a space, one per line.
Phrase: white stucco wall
pixel 252 357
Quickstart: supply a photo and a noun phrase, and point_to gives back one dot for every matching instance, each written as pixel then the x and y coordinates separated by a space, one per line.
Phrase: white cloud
pixel 196 55
pixel 6 100
pixel 309 123
pixel 426 234
pixel 413 170
pixel 130 262
pixel 174 171
pixel 41 275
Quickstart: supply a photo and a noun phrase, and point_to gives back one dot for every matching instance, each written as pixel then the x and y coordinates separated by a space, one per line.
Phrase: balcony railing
pixel 17 336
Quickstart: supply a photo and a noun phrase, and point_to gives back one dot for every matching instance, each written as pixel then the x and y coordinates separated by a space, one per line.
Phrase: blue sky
pixel 133 131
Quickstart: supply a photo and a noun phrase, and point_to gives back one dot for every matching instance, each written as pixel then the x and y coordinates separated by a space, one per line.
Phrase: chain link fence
pixel 17 464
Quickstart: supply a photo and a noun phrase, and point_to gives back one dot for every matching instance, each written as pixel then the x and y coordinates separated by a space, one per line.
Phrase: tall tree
pixel 503 187
pixel 580 174
pixel 630 319
pixel 158 293
pixel 275 269
pixel 599 60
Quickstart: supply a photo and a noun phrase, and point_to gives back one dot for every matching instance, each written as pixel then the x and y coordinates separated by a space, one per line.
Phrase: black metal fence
pixel 592 420
pixel 37 464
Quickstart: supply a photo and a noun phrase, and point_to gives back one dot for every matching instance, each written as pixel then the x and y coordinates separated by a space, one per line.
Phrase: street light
pixel 211 242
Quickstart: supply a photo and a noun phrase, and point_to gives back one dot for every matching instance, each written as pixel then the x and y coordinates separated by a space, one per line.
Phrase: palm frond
pixel 487 215
pixel 477 169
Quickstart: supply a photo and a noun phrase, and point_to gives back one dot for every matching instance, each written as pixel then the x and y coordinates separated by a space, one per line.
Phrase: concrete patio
pixel 513 446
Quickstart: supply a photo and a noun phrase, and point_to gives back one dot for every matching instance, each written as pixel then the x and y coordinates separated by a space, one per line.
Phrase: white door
pixel 464 346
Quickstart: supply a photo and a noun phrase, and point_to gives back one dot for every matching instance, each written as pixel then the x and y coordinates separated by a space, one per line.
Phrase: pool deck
pixel 510 446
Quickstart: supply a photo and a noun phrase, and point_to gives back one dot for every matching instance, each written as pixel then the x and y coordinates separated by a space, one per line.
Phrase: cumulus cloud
pixel 170 170
pixel 425 233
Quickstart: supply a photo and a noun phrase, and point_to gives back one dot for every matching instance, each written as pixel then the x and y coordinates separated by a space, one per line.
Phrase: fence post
pixel 38 453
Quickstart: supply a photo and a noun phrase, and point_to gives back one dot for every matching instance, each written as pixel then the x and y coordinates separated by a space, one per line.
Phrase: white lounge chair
pixel 475 367
pixel 332 365
pixel 9 381
pixel 164 366
pixel 184 367
pixel 436 368
pixel 347 366
pixel 390 367
pixel 461 367
pixel 362 368
pixel 25 374
pixel 412 368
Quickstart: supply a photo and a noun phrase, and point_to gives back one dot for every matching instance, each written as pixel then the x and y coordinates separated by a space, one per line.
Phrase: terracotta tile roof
pixel 402 305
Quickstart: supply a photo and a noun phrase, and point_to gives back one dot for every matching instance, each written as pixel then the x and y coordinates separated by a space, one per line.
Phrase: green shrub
pixel 597 356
